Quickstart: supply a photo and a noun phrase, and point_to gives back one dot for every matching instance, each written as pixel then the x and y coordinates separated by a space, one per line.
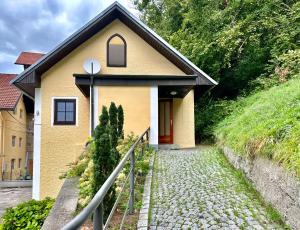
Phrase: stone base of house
pixel 168 146
pixel 15 183
pixel 275 184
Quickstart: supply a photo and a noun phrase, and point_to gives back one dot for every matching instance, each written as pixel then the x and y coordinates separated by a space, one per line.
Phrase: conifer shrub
pixel 120 122
pixel 104 156
pixel 113 130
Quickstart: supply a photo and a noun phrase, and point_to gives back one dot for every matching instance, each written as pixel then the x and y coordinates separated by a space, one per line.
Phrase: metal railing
pixel 95 207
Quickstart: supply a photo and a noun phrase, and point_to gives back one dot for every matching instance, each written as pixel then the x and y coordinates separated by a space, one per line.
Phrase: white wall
pixel 37 145
pixel 154 116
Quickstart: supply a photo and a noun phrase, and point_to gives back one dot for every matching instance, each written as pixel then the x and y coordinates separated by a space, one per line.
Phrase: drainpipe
pixel 2 146
pixel 92 98
pixel 92 104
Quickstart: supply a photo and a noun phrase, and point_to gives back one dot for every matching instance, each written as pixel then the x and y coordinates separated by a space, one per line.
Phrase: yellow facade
pixel 60 145
pixel 135 102
pixel 13 155
pixel 183 124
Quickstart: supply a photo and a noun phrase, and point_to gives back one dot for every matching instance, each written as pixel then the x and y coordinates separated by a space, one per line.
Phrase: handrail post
pixel 147 137
pixel 98 217
pixel 131 199
pixel 142 140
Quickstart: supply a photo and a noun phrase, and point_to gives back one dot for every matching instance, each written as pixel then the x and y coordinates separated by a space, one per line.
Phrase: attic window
pixel 116 51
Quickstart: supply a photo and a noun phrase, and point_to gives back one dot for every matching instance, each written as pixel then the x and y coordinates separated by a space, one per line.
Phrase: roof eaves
pixel 95 20
pixel 30 69
pixel 165 43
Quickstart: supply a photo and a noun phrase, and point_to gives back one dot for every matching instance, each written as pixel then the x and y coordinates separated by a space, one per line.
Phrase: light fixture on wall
pixel 173 93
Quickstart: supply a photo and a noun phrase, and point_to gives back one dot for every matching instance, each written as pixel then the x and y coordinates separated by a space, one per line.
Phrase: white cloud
pixel 10 46
pixel 40 25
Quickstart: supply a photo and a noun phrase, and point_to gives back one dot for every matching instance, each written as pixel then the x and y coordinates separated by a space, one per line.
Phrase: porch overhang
pixel 181 84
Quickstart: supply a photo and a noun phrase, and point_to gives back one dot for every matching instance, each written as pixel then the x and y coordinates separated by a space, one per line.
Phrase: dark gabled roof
pixel 28 58
pixel 30 78
pixel 9 94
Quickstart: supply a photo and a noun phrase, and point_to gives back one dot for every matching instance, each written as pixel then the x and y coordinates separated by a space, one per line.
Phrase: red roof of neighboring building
pixel 9 94
pixel 28 58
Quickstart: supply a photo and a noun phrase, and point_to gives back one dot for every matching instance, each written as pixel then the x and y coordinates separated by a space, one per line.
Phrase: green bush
pixel 208 113
pixel 142 162
pixel 27 215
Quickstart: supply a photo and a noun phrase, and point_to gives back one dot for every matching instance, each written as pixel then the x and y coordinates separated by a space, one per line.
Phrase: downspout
pixel 2 146
pixel 92 104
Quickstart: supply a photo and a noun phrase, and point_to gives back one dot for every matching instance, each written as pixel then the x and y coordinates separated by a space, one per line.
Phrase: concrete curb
pixel 276 185
pixel 65 205
pixel 144 212
pixel 15 183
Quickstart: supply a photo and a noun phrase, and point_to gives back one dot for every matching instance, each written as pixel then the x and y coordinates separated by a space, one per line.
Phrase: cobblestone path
pixel 195 189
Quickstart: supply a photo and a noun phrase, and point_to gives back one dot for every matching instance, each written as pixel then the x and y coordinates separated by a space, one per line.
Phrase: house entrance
pixel 166 121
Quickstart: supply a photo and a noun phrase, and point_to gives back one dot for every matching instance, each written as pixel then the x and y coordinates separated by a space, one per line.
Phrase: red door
pixel 166 121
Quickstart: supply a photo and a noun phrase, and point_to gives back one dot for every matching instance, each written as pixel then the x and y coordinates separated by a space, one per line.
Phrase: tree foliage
pixel 120 122
pixel 245 44
pixel 103 159
pixel 104 151
pixel 113 129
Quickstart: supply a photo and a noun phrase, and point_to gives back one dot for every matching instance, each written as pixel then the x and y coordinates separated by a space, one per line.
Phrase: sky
pixel 40 25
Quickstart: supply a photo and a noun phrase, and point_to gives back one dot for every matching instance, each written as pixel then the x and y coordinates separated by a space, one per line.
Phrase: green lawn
pixel 266 124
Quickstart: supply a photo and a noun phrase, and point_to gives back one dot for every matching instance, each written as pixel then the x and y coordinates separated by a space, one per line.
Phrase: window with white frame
pixel 64 112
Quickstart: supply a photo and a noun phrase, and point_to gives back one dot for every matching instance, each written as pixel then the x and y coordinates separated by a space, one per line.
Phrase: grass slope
pixel 266 124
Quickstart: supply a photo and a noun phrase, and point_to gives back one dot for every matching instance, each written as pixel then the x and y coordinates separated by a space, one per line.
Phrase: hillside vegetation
pixel 252 48
pixel 267 124
pixel 246 45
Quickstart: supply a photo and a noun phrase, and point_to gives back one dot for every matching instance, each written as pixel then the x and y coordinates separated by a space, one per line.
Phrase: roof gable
pixel 30 78
pixel 9 94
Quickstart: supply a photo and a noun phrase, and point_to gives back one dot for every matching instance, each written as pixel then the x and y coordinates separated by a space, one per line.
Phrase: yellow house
pixel 14 154
pixel 139 70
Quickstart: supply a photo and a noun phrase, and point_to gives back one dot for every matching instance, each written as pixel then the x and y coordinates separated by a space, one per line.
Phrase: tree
pixel 113 128
pixel 120 122
pixel 239 43
pixel 104 161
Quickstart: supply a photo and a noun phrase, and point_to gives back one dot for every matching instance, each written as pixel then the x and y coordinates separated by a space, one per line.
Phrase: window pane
pixel 161 119
pixel 116 54
pixel 13 140
pixel 60 116
pixel 65 111
pixel 70 106
pixel 13 164
pixel 69 116
pixel 167 118
pixel 61 106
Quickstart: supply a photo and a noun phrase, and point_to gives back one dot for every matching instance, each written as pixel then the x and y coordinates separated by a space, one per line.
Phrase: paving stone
pixel 194 189
pixel 142 223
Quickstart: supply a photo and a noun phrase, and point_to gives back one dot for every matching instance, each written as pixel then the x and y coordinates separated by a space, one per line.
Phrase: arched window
pixel 116 51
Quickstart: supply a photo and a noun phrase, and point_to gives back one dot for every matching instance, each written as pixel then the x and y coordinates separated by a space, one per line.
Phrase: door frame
pixel 160 138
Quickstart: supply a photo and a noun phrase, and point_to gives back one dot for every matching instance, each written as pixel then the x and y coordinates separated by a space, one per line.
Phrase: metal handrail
pixel 96 204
